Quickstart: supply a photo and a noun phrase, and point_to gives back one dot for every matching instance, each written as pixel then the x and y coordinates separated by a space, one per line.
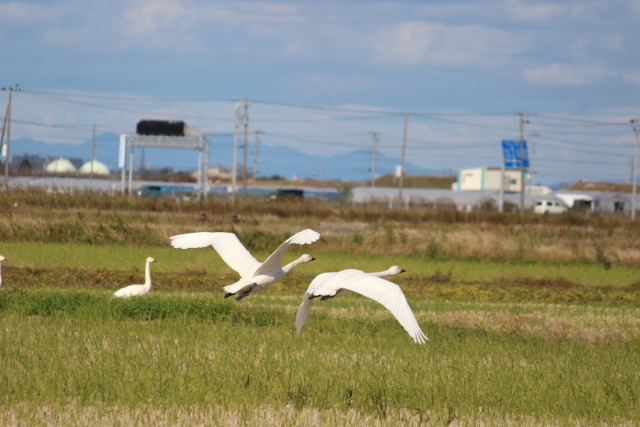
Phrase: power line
pixel 134 110
pixel 550 127
pixel 580 120
pixel 128 97
pixel 375 111
pixel 576 148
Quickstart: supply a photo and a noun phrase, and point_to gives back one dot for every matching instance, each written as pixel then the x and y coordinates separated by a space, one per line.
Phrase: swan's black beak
pixel 402 270
pixel 313 259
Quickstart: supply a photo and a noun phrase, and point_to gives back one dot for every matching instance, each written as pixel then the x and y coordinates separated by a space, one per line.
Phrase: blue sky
pixel 461 69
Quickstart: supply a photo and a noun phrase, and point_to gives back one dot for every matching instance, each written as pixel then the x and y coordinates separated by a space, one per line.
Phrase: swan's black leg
pixel 242 295
pixel 228 294
pixel 245 293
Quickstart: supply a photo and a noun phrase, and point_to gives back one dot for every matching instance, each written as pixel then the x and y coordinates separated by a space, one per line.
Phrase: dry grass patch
pixel 581 323
pixel 97 218
pixel 73 414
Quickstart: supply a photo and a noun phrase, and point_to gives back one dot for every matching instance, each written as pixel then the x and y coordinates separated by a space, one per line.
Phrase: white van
pixel 548 206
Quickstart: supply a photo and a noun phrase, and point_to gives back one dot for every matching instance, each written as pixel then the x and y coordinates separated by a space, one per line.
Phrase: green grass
pixel 80 348
pixel 117 257
pixel 532 320
pixel 102 305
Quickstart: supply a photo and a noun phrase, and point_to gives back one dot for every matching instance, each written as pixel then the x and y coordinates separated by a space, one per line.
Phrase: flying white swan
pixel 134 290
pixel 2 258
pixel 253 274
pixel 371 285
pixel 320 280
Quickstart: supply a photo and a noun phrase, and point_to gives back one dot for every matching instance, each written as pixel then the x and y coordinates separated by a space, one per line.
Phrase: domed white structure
pixel 99 168
pixel 61 165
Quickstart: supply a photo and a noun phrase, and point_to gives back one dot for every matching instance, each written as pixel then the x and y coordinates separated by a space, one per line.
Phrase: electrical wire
pixel 550 128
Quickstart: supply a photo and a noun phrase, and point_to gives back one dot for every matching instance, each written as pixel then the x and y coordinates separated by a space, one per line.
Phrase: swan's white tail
pixel 235 287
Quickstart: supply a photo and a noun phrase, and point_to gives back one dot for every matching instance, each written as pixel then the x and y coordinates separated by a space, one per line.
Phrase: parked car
pixel 287 194
pixel 549 206
pixel 155 191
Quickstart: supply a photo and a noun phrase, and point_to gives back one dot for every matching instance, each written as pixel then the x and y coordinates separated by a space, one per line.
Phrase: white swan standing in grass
pixel 371 285
pixel 253 274
pixel 135 290
pixel 2 258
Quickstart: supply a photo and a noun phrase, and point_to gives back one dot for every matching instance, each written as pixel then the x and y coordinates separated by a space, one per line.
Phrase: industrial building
pixel 61 165
pixel 488 178
pixel 599 202
pixel 94 167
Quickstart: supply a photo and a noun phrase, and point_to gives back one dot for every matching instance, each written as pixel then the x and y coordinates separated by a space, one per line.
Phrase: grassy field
pixel 82 357
pixel 533 333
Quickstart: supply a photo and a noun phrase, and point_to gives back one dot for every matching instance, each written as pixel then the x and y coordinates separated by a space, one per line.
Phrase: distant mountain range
pixel 273 160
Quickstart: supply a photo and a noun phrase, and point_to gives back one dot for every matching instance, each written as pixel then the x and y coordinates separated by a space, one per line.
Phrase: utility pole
pixel 7 120
pixel 245 119
pixel 256 154
pixel 501 193
pixel 374 148
pixel 634 181
pixel 93 151
pixel 3 149
pixel 130 169
pixel 521 158
pixel 404 155
pixel 234 162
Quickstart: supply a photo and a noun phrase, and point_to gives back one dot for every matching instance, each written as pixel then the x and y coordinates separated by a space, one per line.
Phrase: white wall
pixel 479 179
pixel 470 179
pixel 511 180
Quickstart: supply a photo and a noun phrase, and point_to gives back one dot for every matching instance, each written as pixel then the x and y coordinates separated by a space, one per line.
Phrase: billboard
pixel 512 155
pixel 122 154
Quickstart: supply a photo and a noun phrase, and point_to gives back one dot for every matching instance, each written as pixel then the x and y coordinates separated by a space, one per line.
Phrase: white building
pixel 95 167
pixel 597 201
pixel 488 179
pixel 61 165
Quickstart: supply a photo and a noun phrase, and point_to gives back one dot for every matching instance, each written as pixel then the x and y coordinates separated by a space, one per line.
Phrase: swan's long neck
pixel 382 273
pixel 287 268
pixel 147 276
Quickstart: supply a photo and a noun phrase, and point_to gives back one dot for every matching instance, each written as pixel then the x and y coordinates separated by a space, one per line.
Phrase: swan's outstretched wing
pixel 305 307
pixel 386 293
pixel 226 244
pixel 274 261
pixel 303 311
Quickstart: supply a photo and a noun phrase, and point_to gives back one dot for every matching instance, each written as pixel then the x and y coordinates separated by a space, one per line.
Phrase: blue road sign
pixel 512 155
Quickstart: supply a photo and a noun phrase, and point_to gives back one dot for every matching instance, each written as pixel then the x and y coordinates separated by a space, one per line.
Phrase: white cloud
pixel 564 74
pixel 149 17
pixel 416 43
pixel 632 78
pixel 15 12
pixel 496 10
pixel 634 7
pixel 201 26
pixel 410 43
pixel 523 11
